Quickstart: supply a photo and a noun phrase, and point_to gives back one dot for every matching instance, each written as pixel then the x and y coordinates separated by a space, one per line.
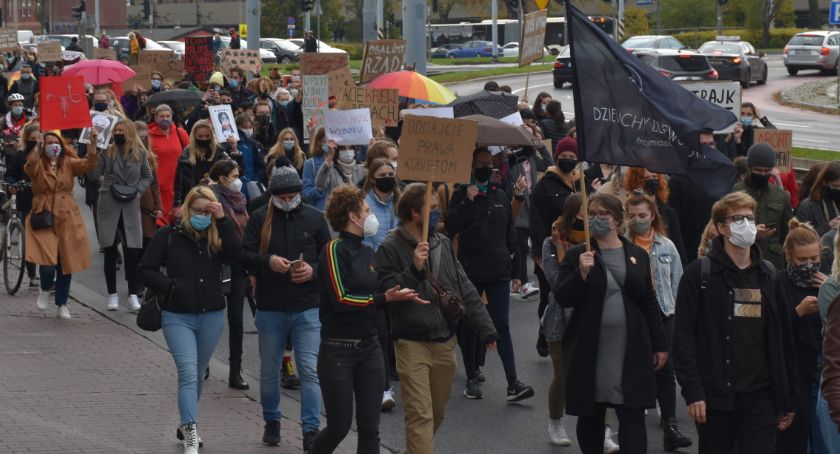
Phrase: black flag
pixel 626 113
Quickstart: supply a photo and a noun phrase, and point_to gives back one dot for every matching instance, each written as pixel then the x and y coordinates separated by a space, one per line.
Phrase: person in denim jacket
pixel 646 230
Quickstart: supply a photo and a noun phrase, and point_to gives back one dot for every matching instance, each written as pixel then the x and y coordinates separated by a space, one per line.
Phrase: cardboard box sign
pixel 383 103
pixel 380 57
pixel 436 149
pixel 532 44
pixel 782 142
pixel 313 64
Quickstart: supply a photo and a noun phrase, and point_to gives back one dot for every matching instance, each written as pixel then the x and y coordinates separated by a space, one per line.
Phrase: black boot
pixel 672 439
pixel 235 380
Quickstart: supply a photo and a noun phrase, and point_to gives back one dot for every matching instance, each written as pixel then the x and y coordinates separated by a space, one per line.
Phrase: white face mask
pixel 53 150
pixel 743 233
pixel 394 164
pixel 248 132
pixel 282 205
pixel 371 225
pixel 347 156
pixel 235 185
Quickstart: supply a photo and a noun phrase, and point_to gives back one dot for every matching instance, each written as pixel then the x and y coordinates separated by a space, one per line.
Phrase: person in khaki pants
pixel 424 341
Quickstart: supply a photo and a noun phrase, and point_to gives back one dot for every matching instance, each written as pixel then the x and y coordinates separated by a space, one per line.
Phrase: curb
pixel 786 98
pixel 496 78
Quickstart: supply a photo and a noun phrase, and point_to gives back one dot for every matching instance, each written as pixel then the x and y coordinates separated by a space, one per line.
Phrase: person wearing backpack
pixel 733 349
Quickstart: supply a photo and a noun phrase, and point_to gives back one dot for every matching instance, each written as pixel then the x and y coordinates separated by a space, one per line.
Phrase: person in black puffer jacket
pixel 15 174
pixel 482 217
pixel 197 159
pixel 192 298
pixel 554 125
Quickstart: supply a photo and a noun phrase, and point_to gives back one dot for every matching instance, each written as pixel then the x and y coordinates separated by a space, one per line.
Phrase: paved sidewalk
pixel 91 385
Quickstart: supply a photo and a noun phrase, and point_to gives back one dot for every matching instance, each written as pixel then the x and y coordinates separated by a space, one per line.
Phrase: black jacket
pixel 14 174
pixel 645 335
pixel 702 351
pixel 488 246
pixel 551 130
pixel 547 199
pixel 694 208
pixel 300 231
pixel 192 282
pixel 188 176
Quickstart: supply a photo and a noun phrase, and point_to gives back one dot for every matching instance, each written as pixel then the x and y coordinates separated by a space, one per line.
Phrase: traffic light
pixel 79 10
pixel 308 5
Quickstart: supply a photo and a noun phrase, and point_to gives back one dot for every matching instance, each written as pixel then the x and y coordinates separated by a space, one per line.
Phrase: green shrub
pixel 779 37
pixel 354 49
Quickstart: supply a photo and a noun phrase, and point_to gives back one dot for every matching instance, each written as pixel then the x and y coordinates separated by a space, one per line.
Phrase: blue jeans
pixel 828 428
pixel 191 339
pixel 62 282
pixel 304 328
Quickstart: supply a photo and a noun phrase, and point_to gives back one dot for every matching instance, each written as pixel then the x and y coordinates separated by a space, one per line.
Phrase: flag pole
pixel 527 81
pixel 584 206
pixel 427 207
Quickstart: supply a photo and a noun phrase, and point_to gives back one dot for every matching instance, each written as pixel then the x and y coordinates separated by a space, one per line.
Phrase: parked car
pixel 323 47
pixel 64 39
pixel 736 60
pixel 678 64
pixel 443 51
pixel 562 68
pixel 266 55
pixel 813 50
pixel 122 48
pixel 653 42
pixel 177 46
pixel 473 49
pixel 285 50
pixel 511 49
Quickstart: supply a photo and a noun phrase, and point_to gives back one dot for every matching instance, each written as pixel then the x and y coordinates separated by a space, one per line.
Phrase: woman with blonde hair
pixel 287 145
pixel 192 303
pixel 125 175
pixel 56 237
pixel 198 157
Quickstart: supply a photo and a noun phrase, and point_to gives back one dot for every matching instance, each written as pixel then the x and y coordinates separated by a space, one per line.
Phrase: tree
pixel 688 14
pixel 636 21
pixel 445 7
pixel 273 14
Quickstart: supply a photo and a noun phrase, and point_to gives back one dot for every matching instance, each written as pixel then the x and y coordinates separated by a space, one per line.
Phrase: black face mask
pixel 483 174
pixel 264 119
pixel 100 106
pixel 566 165
pixel 651 186
pixel 385 184
pixel 759 181
pixel 119 139
pixel 30 145
pixel 263 94
pixel 203 143
pixel 833 194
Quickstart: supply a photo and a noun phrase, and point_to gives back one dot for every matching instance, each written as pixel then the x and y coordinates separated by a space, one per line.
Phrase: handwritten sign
pixel 348 127
pixel 247 60
pixel 381 56
pixel 223 125
pixel 436 149
pixel 313 64
pixel 314 104
pixel 781 140
pixel 104 54
pixel 533 37
pixel 383 103
pixel 339 78
pixel 8 39
pixel 153 57
pixel 198 57
pixel 438 112
pixel 724 94
pixel 49 51
pixel 142 77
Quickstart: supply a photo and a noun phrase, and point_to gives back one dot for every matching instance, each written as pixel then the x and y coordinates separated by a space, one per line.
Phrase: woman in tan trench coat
pixel 61 249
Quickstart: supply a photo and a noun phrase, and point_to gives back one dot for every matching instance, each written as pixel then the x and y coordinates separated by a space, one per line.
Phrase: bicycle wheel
pixel 13 257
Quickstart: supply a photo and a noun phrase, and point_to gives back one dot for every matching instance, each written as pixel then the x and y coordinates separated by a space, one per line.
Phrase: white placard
pixel 223 122
pixel 439 112
pixel 726 94
pixel 348 127
pixel 513 119
pixel 104 124
pixel 316 93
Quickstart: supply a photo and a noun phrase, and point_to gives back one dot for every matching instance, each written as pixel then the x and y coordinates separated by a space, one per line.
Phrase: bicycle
pixel 12 249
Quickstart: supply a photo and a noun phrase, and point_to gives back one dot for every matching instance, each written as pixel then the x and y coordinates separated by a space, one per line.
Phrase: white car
pixel 323 47
pixel 177 46
pixel 511 49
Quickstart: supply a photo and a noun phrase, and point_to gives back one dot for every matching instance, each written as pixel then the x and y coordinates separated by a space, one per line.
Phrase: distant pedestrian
pixel 310 44
pixel 234 39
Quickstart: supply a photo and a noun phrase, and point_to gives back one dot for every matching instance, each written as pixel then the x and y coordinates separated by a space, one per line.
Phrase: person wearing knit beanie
pixel 566 144
pixel 284 178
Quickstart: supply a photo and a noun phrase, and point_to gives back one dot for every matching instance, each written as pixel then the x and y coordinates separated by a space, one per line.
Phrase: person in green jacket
pixel 774 209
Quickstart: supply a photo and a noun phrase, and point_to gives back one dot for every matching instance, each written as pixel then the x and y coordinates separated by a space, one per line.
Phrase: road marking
pixel 533 86
pixel 810 140
pixel 792 125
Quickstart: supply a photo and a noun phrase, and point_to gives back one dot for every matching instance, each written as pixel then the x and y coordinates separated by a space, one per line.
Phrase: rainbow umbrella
pixel 414 85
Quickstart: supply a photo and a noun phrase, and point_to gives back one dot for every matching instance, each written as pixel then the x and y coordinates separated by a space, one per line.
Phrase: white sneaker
pixel 43 300
pixel 133 303
pixel 529 290
pixel 388 400
pixel 610 447
pixel 190 438
pixel 113 302
pixel 63 312
pixel 557 433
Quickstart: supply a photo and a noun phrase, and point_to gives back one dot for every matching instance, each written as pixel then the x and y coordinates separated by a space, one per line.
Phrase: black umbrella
pixel 177 97
pixel 494 104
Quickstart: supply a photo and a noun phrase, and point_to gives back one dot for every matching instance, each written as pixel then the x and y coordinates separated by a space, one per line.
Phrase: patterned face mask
pixel 802 274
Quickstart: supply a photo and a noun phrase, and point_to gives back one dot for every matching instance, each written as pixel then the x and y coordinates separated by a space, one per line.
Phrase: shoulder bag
pixel 149 315
pixel 44 218
pixel 120 192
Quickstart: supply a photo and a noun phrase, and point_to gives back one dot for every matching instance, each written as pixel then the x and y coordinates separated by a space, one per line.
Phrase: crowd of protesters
pixel 731 299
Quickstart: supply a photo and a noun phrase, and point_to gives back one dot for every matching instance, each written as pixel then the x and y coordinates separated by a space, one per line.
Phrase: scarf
pixel 346 170
pixel 645 242
pixel 234 204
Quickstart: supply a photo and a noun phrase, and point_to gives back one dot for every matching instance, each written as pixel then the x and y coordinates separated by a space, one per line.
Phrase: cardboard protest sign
pixel 8 39
pixel 198 56
pixel 223 125
pixel 781 140
pixel 381 56
pixel 339 78
pixel 348 127
pixel 384 103
pixel 142 77
pixel 439 112
pixel 726 94
pixel 533 37
pixel 49 51
pixel 63 103
pixel 103 123
pixel 315 100
pixel 247 60
pixel 153 57
pixel 104 54
pixel 314 64
pixel 173 69
pixel 436 149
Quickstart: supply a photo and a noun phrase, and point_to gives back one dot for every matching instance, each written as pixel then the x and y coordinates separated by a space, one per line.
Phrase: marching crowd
pixel 732 299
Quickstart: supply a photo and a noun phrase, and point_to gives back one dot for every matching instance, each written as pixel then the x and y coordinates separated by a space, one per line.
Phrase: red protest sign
pixel 198 57
pixel 63 103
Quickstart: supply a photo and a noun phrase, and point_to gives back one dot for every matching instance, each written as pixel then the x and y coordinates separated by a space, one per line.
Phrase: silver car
pixel 813 50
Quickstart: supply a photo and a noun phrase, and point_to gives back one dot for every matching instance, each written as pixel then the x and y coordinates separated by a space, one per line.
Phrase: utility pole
pixel 96 17
pixel 658 17
pixel 719 18
pixel 369 22
pixel 15 13
pixel 252 20
pixel 380 19
pixel 414 33
pixel 494 14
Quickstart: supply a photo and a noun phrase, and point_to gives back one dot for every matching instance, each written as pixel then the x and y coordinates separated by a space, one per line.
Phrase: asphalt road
pixel 810 129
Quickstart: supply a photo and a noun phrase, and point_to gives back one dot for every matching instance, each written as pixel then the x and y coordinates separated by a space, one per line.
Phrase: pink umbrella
pixel 100 72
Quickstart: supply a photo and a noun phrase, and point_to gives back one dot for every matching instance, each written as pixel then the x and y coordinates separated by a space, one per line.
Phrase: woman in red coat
pixel 167 142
